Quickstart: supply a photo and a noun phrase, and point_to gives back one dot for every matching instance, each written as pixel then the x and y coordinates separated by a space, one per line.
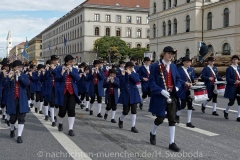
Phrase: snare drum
pixel 219 87
pixel 198 93
pixel 199 84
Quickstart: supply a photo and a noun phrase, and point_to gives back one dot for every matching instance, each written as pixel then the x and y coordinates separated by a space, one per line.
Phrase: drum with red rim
pixel 198 93
pixel 220 87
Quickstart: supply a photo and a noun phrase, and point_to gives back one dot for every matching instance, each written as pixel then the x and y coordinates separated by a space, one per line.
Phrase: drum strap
pixel 185 70
pixel 213 73
pixel 236 71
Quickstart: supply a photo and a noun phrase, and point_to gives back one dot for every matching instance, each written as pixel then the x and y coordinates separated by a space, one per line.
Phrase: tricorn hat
pixel 17 63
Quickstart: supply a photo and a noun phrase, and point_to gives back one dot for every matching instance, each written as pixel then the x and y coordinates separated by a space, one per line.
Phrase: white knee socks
pixel 227 109
pixel 86 104
pixel 214 105
pixel 133 118
pixel 20 129
pixel 171 134
pixel 40 105
pixel 189 115
pixel 113 114
pixel 205 103
pixel 46 110
pixel 154 129
pixel 121 117
pixel 91 105
pixel 52 114
pixel 71 122
pixel 238 111
pixel 99 107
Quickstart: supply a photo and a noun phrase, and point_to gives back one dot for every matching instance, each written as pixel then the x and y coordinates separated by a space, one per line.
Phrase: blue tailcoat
pixel 47 85
pixel 129 91
pixel 84 84
pixel 158 102
pixel 1 82
pixel 101 78
pixel 61 79
pixel 184 78
pixel 23 100
pixel 206 74
pixel 231 79
pixel 37 81
pixel 144 74
pixel 115 88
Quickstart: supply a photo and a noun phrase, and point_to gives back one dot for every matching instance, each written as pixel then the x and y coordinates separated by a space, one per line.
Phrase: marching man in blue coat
pixel 111 94
pixel 129 95
pixel 187 78
pixel 67 76
pixel 210 75
pixel 96 78
pixel 164 82
pixel 144 74
pixel 16 83
pixel 232 91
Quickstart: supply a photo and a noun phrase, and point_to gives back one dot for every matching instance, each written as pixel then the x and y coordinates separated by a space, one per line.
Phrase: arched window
pixel 175 3
pixel 138 45
pixel 154 7
pixel 209 21
pixel 175 26
pixel 226 49
pixel 118 32
pixel 169 28
pixel 154 31
pixel 164 4
pixel 139 35
pixel 129 45
pixel 129 32
pixel 96 31
pixel 187 23
pixel 169 3
pixel 187 53
pixel 226 17
pixel 148 46
pixel 210 49
pixel 164 29
pixel 107 31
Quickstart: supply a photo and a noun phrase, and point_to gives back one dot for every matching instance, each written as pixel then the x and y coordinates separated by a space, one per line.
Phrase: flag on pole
pixel 25 51
pixel 49 47
pixel 64 41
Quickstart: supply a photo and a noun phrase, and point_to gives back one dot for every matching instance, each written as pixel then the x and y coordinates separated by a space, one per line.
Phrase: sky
pixel 28 18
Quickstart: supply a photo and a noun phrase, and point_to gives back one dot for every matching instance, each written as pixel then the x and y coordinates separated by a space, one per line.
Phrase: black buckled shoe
pixel 71 133
pixel 152 139
pixel 46 118
pixel 203 109
pixel 0 111
pixel 225 114
pixel 177 119
pixel 82 106
pixel 120 123
pixel 113 121
pixel 49 114
pixel 190 125
pixel 19 139
pixel 99 115
pixel 8 123
pixel 60 127
pixel 238 119
pixel 36 110
pixel 53 124
pixel 134 130
pixel 31 105
pixel 87 109
pixel 3 117
pixel 141 106
pixel 40 112
pixel 105 116
pixel 174 147
pixel 12 134
pixel 55 118
pixel 193 109
pixel 215 113
pixel 91 112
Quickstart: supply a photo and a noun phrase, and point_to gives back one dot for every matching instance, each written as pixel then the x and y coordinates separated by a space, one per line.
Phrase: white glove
pixel 177 89
pixel 165 93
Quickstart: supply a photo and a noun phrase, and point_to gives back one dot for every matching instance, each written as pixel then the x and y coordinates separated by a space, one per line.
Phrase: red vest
pixel 213 79
pixel 16 90
pixel 236 78
pixel 95 78
pixel 169 80
pixel 68 85
pixel 111 89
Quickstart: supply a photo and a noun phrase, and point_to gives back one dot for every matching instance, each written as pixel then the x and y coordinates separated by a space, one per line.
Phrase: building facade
pixel 182 24
pixel 35 48
pixel 76 32
pixel 16 52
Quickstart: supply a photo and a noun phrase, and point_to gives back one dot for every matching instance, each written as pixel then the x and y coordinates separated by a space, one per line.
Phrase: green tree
pixel 137 53
pixel 112 48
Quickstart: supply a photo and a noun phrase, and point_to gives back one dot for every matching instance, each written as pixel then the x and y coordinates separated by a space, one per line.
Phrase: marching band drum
pixel 198 92
pixel 219 87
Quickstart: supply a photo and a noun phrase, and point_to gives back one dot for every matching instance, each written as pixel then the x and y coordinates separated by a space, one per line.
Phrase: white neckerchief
pixel 186 72
pixel 147 68
pixel 210 67
pixel 235 68
pixel 16 77
pixel 121 68
pixel 167 65
pixel 134 70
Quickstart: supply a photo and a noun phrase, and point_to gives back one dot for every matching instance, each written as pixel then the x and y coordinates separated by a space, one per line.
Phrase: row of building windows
pixel 209 24
pixel 119 19
pixel 138 45
pixel 74 48
pixel 226 50
pixel 170 4
pixel 118 32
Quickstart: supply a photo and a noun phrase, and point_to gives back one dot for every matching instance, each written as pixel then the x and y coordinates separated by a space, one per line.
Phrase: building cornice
pixel 216 3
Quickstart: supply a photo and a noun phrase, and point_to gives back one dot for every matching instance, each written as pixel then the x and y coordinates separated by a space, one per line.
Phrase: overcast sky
pixel 28 18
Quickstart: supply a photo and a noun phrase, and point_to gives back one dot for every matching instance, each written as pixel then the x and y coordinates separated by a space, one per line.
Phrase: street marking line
pixel 63 139
pixel 208 133
pixel 217 108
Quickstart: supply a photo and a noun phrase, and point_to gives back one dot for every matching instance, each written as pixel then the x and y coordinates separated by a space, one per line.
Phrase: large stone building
pixel 35 48
pixel 184 23
pixel 93 19
pixel 16 52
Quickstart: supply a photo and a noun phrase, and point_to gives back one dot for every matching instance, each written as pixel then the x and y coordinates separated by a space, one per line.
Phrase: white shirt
pixel 167 65
pixel 147 68
pixel 234 66
pixel 121 68
pixel 210 66
pixel 16 77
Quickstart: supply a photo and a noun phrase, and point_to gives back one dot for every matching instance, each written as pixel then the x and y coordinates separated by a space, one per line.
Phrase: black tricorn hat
pixel 122 62
pixel 26 64
pixel 169 49
pixel 133 59
pixel 31 66
pixel 53 57
pixel 112 71
pixel 210 59
pixel 235 56
pixel 40 66
pixel 17 63
pixel 129 64
pixel 96 62
pixel 186 59
pixel 146 59
pixel 68 58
